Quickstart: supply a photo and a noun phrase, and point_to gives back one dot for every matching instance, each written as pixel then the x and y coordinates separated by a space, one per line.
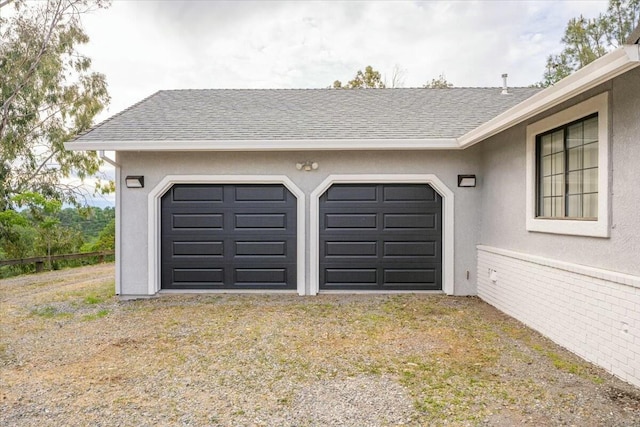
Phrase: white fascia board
pixel 609 66
pixel 267 145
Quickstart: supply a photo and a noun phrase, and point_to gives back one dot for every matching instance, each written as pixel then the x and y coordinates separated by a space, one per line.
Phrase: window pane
pixel 546 166
pixel 591 130
pixel 546 145
pixel 575 182
pixel 546 206
pixel 557 141
pixel 590 206
pixel 557 163
pixel 574 135
pixel 575 206
pixel 590 181
pixel 558 206
pixel 557 184
pixel 591 155
pixel 546 186
pixel 575 158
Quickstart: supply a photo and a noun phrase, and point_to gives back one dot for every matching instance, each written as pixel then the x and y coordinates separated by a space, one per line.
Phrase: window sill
pixel 569 226
pixel 552 218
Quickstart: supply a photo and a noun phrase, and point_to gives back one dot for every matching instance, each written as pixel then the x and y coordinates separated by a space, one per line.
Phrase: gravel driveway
pixel 72 354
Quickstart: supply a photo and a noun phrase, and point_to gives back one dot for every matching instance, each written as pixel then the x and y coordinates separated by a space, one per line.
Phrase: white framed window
pixel 568 170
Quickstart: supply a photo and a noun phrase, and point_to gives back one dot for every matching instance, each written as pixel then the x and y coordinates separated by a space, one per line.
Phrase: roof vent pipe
pixel 505 90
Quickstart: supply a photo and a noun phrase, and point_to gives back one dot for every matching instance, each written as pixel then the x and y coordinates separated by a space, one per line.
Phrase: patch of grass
pixel 92 299
pixel 563 363
pixel 49 312
pixel 85 294
pixel 99 315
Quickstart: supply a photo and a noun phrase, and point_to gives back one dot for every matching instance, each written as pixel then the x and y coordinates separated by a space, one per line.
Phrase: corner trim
pixel 430 179
pixel 153 211
pixel 118 236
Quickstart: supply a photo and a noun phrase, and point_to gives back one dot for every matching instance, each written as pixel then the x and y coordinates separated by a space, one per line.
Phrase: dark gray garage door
pixel 228 237
pixel 380 237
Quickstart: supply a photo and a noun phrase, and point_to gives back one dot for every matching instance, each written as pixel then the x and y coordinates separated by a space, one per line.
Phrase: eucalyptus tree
pixel 48 94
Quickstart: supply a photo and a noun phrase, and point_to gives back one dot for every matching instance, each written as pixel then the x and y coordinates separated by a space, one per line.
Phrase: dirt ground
pixel 73 354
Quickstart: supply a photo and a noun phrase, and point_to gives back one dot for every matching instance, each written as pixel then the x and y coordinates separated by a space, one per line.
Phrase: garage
pixel 380 237
pixel 228 237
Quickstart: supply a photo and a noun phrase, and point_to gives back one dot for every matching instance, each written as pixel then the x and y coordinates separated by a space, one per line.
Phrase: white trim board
pixel 269 145
pixel 595 272
pixel 118 231
pixel 430 179
pixel 153 199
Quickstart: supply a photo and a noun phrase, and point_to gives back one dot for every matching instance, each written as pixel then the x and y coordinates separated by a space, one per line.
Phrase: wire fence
pixel 13 267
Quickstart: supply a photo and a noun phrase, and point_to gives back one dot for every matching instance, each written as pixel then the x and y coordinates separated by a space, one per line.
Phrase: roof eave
pixel 609 66
pixel 267 145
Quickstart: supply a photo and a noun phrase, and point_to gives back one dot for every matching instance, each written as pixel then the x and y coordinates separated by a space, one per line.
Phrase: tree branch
pixel 43 48
pixel 20 187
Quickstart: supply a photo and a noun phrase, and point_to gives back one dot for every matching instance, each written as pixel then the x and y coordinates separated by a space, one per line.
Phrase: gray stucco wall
pixel 503 222
pixel 446 165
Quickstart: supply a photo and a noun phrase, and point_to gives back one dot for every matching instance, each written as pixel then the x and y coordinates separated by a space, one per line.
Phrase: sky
pixel 146 46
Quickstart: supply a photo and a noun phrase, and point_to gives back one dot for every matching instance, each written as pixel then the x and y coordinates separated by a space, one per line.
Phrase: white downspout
pixel 116 165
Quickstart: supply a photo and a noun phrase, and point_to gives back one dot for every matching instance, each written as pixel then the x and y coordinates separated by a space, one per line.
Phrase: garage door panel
pixel 198 275
pixel 266 248
pixel 408 193
pixel 261 275
pixel 404 249
pixel 340 221
pixel 351 193
pixel 394 276
pixel 199 221
pixel 392 240
pixel 260 194
pixel 259 221
pixel 246 241
pixel 203 248
pixel 410 221
pixel 361 276
pixel 198 193
pixel 351 249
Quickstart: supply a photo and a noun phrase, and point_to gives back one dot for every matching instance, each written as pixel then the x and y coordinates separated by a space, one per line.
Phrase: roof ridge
pixel 336 90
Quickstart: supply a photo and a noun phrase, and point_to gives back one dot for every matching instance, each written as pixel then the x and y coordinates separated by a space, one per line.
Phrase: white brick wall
pixel 592 312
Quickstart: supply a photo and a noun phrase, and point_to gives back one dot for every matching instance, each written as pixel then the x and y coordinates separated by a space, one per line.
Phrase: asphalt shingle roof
pixel 298 114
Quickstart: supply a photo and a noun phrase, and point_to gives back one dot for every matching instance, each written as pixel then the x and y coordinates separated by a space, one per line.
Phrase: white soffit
pixel 601 70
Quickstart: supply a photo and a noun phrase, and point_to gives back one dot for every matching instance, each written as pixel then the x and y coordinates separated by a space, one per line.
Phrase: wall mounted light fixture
pixel 466 180
pixel 307 166
pixel 136 181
